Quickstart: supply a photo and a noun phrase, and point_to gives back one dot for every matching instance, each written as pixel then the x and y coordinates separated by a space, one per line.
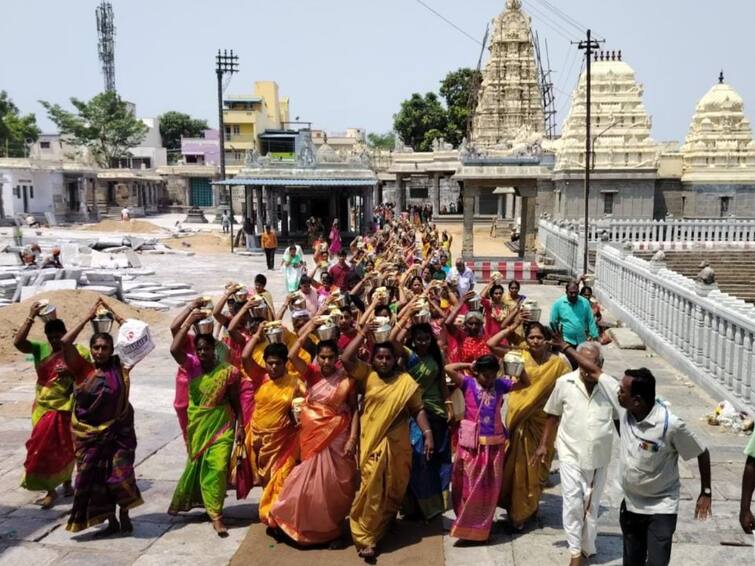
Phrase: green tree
pixel 105 125
pixel 455 89
pixel 418 116
pixel 385 141
pixel 15 130
pixel 174 125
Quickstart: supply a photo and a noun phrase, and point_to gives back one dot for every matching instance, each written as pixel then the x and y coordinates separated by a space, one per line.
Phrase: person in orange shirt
pixel 269 242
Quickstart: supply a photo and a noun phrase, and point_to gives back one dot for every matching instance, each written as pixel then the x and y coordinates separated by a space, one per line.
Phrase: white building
pixel 42 188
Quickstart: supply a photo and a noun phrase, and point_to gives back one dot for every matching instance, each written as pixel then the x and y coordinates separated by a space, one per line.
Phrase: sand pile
pixel 71 307
pixel 130 227
pixel 201 243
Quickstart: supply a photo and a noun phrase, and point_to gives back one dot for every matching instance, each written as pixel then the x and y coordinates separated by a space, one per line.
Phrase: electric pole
pixel 225 63
pixel 588 45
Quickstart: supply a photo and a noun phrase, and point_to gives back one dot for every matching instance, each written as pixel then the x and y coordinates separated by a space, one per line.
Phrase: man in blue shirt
pixel 572 316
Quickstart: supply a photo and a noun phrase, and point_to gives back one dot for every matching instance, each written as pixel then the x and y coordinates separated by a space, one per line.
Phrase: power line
pixel 449 22
pixel 565 17
pixel 554 25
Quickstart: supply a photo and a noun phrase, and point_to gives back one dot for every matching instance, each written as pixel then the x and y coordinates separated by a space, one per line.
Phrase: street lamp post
pixel 225 63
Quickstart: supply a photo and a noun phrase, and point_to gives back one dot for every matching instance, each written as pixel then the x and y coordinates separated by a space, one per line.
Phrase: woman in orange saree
pixel 272 439
pixel 391 396
pixel 49 450
pixel 525 420
pixel 317 495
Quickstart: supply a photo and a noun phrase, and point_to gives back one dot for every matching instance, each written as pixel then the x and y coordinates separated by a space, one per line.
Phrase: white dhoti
pixel 581 491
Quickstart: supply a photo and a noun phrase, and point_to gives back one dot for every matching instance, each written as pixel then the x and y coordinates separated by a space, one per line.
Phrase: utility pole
pixel 588 45
pixel 225 63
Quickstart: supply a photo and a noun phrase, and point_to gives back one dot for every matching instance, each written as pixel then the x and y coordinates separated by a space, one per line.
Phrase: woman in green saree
pixel 213 411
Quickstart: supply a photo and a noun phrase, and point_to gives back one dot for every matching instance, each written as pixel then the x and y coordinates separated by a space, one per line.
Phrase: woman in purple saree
pixel 103 435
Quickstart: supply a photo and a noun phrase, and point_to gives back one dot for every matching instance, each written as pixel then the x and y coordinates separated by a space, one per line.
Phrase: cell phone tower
pixel 106 43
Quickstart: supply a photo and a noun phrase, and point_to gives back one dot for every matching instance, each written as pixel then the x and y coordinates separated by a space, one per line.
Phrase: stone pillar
pixel 467 245
pixel 500 206
pixel 367 210
pixel 523 228
pixel 286 208
pixel 400 194
pixel 435 194
pixel 258 199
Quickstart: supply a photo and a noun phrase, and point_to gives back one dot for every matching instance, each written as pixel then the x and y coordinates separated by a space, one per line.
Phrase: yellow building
pixel 247 116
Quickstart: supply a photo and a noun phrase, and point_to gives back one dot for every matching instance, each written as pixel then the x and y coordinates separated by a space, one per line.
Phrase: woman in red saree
pixel 104 439
pixel 317 495
pixel 49 450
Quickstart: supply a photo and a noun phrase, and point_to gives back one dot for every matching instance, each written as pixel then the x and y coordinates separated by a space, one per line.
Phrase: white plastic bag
pixel 134 342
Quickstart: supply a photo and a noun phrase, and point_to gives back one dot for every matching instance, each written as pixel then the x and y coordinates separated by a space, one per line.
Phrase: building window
pixel 44 145
pixel 31 191
pixel 228 130
pixel 17 191
pixel 684 205
pixel 608 203
pixel 236 129
pixel 725 205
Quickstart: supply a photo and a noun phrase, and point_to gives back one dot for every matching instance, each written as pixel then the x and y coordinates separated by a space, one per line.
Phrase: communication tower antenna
pixel 106 43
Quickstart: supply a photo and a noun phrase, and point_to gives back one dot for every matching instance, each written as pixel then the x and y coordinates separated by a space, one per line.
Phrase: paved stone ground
pixel 30 535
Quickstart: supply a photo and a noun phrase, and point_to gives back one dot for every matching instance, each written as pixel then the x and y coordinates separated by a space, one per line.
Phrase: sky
pixel 350 63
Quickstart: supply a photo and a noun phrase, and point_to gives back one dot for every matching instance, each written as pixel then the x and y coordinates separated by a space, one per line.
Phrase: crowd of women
pixel 382 396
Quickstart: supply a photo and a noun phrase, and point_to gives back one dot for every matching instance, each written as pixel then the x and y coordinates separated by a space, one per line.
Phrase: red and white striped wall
pixel 519 270
pixel 654 246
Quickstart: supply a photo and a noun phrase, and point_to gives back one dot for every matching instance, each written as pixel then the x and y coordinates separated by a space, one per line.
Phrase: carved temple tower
pixel 509 102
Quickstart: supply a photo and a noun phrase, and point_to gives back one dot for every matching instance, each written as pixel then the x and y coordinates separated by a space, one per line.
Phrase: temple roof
pixel 719 145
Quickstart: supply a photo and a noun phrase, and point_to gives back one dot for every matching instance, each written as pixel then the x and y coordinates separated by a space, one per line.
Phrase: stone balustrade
pixel 563 244
pixel 707 334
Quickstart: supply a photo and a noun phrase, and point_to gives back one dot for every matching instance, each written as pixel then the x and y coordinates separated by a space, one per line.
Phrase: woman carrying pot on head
pixel 214 410
pixel 49 450
pixel 525 420
pixel 385 453
pixel 430 478
pixel 272 438
pixel 293 267
pixel 480 451
pixel 103 432
pixel 317 494
pixel 181 399
pixel 470 339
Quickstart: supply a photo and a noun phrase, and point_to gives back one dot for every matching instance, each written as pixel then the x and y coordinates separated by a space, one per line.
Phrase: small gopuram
pixel 504 155
pixel 320 183
pixel 718 158
pixel 624 157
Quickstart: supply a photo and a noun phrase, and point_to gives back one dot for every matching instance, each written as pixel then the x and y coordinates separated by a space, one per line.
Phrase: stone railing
pixel 669 230
pixel 563 244
pixel 703 332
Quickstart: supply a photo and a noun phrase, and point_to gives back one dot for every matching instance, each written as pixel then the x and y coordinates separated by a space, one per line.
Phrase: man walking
pixel 584 407
pixel 465 279
pixel 652 439
pixel 340 272
pixel 571 316
pixel 269 241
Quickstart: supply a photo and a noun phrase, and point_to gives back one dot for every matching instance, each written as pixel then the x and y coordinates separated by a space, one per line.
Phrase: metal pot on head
pixel 422 317
pixel 274 335
pixel 382 333
pixel 102 323
pixel 474 303
pixel 259 310
pixel 532 309
pixel 327 331
pixel 48 313
pixel 205 326
pixel 513 364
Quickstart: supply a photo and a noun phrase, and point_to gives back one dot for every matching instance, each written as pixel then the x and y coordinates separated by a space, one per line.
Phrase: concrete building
pixel 247 116
pixel 201 151
pixel 51 191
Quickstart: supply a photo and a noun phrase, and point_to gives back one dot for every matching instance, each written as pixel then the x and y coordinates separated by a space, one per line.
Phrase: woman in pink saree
pixel 317 495
pixel 335 238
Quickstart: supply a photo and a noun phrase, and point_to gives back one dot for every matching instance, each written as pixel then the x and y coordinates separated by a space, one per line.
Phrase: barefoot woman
pixel 103 434
pixel 49 451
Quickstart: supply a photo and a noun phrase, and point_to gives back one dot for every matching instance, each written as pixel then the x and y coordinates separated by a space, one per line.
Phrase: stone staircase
pixel 735 269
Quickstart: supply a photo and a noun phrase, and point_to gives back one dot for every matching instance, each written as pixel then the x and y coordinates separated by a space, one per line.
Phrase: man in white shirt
pixel 652 439
pixel 464 277
pixel 584 408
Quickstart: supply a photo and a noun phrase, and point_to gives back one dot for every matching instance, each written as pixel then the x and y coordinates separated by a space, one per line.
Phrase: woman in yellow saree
pixel 525 420
pixel 213 410
pixel 385 451
pixel 272 439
